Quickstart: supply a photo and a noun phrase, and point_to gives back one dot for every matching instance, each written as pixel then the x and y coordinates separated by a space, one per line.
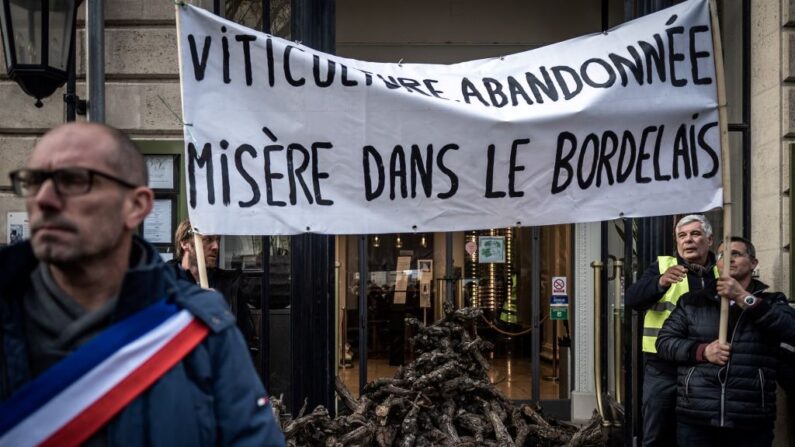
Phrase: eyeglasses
pixel 734 255
pixel 67 181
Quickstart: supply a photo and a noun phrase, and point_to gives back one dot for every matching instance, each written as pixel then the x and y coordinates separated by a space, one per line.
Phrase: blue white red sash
pixel 73 399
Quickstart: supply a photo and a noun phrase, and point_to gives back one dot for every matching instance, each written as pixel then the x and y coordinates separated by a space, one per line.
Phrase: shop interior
pixel 491 271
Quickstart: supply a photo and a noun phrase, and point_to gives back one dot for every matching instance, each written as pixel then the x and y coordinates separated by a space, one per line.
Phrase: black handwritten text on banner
pixel 283 139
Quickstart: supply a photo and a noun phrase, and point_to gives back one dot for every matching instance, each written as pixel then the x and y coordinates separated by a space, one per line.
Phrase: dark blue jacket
pixel 209 398
pixel 741 394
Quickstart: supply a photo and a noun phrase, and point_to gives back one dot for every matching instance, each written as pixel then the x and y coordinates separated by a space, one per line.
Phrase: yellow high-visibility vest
pixel 657 314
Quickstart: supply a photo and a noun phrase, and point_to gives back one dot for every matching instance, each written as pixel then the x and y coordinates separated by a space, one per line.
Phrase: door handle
pixel 597 324
pixel 618 269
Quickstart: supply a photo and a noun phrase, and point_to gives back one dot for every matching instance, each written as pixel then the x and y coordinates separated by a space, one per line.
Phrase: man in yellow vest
pixel 656 293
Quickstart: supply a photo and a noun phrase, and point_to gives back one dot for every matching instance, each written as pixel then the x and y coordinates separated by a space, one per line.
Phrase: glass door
pixel 273 361
pixel 399 282
pixel 619 252
pixel 506 272
pixel 526 308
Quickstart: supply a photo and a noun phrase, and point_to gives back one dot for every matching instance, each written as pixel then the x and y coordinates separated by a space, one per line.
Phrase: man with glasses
pixel 726 393
pixel 101 344
pixel 228 282
pixel 656 292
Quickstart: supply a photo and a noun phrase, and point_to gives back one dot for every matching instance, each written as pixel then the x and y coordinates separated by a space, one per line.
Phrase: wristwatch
pixel 750 300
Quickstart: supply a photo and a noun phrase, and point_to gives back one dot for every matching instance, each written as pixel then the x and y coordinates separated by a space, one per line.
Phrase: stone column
pixel 586 250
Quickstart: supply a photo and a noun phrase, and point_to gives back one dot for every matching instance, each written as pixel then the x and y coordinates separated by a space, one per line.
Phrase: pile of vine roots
pixel 444 397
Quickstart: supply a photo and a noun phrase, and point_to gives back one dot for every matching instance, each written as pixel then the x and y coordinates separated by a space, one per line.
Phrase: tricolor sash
pixel 69 402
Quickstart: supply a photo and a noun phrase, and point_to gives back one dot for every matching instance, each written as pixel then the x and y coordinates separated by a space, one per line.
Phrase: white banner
pixel 283 139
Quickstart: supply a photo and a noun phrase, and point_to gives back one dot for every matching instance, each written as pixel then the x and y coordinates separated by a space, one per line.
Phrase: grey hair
pixel 705 225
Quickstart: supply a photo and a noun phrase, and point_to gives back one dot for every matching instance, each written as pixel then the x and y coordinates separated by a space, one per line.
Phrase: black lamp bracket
pixel 81 105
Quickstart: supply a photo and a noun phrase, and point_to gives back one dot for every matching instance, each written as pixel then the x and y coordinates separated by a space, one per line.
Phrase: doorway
pixel 506 272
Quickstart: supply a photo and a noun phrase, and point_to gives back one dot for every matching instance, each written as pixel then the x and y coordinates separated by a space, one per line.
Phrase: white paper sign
pixel 402 278
pixel 559 285
pixel 283 139
pixel 425 267
pixel 18 227
pixel 400 297
pixel 378 278
pixel 161 171
pixel 157 225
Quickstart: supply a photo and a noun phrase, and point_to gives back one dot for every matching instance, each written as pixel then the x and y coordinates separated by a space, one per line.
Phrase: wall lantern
pixel 37 39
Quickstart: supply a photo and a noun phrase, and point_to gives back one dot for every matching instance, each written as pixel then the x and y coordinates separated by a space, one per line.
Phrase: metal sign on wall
pixel 559 302
pixel 283 139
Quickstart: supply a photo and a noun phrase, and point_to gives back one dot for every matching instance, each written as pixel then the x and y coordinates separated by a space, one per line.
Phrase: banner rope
pixel 179 120
pixel 512 334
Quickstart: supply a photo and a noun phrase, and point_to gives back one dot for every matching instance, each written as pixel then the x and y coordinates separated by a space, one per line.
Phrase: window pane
pixel 245 252
pixel 6 48
pixel 61 16
pixel 27 32
pixel 738 204
pixel 279 272
pixel 400 284
pixel 249 13
pixel 242 252
pixel 731 23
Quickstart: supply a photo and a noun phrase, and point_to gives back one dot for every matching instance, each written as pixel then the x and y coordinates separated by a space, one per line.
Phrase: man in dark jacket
pixel 84 281
pixel 726 392
pixel 656 293
pixel 225 281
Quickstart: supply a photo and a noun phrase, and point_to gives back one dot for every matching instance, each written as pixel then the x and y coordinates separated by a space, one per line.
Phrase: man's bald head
pixel 94 222
pixel 122 155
